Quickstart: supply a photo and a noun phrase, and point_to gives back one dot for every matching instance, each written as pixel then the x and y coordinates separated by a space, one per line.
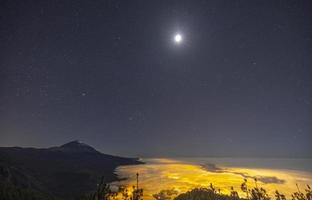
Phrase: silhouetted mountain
pixel 75 147
pixel 66 172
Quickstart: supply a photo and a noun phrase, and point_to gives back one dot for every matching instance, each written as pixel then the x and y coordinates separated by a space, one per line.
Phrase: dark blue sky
pixel 108 73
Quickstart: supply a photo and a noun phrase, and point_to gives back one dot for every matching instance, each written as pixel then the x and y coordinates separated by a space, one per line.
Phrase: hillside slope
pixel 64 172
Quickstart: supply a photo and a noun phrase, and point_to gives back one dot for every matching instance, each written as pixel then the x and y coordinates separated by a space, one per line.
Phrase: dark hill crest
pixel 65 172
pixel 75 146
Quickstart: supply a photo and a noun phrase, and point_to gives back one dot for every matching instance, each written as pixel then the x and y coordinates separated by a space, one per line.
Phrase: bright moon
pixel 178 38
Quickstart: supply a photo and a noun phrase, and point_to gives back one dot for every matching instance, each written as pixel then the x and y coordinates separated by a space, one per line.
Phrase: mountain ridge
pixel 66 172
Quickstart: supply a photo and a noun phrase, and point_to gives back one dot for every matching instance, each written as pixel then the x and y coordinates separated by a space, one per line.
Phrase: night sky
pixel 110 74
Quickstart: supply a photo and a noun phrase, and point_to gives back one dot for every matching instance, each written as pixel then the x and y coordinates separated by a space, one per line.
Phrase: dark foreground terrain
pixel 65 172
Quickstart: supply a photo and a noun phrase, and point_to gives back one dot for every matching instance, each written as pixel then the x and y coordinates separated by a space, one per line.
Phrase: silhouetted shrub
pixel 203 194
